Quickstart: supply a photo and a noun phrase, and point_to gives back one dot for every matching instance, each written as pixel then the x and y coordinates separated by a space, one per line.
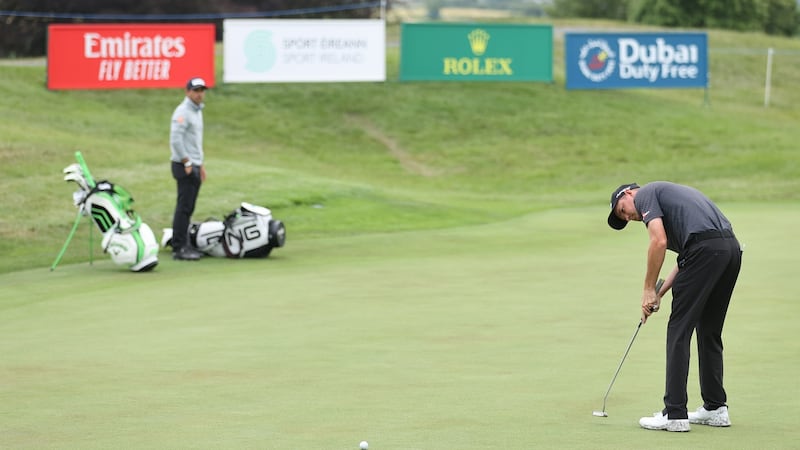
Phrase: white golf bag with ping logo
pixel 128 240
pixel 247 232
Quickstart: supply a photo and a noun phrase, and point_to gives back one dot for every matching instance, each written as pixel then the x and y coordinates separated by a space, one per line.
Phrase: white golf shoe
pixel 661 422
pixel 716 418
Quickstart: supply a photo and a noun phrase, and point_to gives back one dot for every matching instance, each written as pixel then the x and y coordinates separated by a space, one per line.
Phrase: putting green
pixel 498 336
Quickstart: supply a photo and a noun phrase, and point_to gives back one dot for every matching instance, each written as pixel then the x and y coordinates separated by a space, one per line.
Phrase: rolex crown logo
pixel 478 41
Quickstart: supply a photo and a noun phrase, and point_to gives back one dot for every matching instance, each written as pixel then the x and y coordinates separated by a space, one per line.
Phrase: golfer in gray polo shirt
pixel 682 219
pixel 186 154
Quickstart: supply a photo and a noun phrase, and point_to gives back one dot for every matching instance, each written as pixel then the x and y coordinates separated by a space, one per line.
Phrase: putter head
pixel 599 413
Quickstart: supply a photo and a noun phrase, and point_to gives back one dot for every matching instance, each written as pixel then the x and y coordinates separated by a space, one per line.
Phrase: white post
pixel 768 82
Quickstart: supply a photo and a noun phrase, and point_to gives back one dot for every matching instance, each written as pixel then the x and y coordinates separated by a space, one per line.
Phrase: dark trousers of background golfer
pixel 188 189
pixel 708 270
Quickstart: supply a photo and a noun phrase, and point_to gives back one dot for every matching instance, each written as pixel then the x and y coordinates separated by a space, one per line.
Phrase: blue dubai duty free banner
pixel 637 60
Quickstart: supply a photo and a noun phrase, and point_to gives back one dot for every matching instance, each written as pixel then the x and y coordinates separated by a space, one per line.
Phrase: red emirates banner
pixel 122 56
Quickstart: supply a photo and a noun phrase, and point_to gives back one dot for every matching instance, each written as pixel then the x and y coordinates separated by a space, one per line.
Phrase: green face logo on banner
pixel 259 51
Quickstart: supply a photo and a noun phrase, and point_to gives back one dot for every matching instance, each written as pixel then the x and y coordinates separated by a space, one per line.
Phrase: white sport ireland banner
pixel 294 50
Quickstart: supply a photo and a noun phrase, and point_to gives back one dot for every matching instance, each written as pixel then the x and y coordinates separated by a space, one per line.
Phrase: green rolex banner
pixel 485 52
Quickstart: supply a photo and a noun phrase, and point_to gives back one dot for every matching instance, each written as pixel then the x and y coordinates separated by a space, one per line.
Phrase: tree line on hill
pixel 777 17
pixel 23 29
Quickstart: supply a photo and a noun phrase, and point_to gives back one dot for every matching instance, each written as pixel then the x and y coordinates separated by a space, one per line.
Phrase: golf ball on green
pixel 364 445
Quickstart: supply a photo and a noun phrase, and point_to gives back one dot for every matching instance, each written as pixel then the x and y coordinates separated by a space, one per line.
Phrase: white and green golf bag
pixel 249 231
pixel 128 240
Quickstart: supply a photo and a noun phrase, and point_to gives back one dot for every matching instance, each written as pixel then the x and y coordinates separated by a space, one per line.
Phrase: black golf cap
pixel 614 221
pixel 196 83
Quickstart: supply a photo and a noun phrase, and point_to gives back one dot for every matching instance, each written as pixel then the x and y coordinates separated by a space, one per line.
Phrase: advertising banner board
pixel 295 50
pixel 476 52
pixel 638 60
pixel 125 56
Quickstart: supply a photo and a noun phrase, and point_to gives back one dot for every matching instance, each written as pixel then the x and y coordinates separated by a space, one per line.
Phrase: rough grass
pixel 349 158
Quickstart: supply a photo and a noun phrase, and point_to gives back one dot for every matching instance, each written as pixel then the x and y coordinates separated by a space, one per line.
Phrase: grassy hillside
pixel 338 159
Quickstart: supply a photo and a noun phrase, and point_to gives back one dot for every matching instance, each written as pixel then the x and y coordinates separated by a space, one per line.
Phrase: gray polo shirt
pixel 186 132
pixel 683 210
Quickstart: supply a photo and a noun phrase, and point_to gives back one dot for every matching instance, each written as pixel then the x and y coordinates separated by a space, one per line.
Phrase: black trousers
pixel 701 293
pixel 188 189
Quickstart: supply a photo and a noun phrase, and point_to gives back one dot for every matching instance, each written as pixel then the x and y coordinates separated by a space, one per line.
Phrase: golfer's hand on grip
pixel 651 303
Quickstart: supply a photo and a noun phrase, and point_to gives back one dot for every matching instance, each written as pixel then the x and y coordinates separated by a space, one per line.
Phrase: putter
pixel 603 412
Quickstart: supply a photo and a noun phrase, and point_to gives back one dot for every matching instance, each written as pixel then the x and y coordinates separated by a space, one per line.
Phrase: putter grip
pixel 659 283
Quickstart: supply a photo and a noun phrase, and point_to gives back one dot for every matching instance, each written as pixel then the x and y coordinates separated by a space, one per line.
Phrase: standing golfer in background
pixel 682 219
pixel 186 143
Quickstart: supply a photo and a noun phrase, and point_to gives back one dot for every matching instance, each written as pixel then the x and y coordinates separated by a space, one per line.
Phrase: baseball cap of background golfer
pixel 195 83
pixel 614 221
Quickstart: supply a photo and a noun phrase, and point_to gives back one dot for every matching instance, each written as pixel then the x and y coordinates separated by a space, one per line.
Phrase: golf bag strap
pixel 101 186
pixel 227 234
pixel 107 186
pixel 228 252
